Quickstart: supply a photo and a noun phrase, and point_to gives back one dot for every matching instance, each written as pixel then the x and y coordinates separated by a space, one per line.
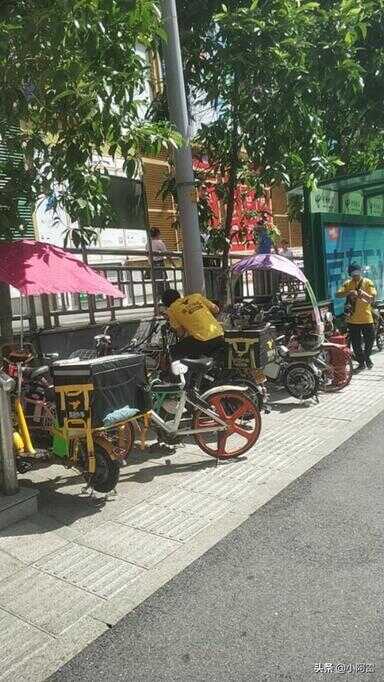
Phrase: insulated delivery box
pixel 249 348
pixel 94 389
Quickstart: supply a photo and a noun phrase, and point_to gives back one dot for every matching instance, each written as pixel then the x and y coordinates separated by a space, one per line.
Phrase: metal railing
pixel 130 271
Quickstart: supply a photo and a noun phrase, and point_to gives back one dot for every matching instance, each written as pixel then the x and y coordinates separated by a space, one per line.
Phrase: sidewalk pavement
pixel 75 568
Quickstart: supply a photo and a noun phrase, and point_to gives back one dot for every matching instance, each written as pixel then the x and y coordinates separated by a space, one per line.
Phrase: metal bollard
pixel 8 473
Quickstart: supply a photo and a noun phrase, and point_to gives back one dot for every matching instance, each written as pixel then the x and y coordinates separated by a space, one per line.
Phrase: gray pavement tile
pixel 169 523
pixel 8 565
pixel 235 470
pixel 146 480
pixel 180 455
pixel 276 460
pixel 198 504
pixel 161 475
pixel 28 542
pixel 52 474
pixel 18 642
pixel 98 573
pixel 129 544
pixel 43 662
pixel 81 515
pixel 228 488
pixel 44 601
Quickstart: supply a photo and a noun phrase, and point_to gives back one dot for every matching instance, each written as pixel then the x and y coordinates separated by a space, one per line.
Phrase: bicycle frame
pixel 187 397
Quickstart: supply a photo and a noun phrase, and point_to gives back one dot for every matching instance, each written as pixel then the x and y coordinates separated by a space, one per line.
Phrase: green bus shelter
pixel 343 221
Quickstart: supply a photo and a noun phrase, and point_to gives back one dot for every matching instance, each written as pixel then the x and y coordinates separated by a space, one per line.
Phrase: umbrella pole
pixel 21 322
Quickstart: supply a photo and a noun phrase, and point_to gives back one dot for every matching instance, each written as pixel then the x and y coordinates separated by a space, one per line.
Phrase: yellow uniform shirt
pixel 193 314
pixel 362 311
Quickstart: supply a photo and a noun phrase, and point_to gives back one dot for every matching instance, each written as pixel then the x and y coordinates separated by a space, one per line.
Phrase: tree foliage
pixel 294 85
pixel 353 119
pixel 72 83
pixel 300 77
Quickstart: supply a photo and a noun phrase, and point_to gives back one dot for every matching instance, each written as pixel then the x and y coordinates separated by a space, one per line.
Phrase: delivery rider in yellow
pixel 360 293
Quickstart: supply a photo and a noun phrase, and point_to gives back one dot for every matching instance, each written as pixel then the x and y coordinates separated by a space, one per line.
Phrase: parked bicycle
pixel 223 421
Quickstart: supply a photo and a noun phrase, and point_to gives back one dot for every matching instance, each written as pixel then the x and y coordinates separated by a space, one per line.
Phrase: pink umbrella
pixel 270 261
pixel 36 268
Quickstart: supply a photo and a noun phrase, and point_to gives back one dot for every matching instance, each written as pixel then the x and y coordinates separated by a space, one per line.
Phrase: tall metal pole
pixel 186 193
pixel 8 474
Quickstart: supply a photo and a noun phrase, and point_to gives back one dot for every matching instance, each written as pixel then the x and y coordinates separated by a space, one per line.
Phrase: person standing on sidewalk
pixel 285 251
pixel 360 293
pixel 160 273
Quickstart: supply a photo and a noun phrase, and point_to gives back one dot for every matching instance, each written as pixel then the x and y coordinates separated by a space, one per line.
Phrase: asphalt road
pixel 298 586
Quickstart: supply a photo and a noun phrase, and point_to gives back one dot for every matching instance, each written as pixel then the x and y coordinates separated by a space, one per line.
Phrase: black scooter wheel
pixel 107 473
pixel 300 381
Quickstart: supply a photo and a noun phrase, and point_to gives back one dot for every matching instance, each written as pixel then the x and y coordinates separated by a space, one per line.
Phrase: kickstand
pixel 86 489
pixel 162 448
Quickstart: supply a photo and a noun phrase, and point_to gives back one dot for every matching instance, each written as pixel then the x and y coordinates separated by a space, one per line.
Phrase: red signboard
pixel 246 206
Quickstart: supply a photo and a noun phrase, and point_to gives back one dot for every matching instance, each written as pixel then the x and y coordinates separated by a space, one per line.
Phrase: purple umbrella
pixel 270 261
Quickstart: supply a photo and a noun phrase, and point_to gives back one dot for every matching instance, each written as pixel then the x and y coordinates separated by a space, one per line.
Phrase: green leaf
pixel 309 6
pixel 364 30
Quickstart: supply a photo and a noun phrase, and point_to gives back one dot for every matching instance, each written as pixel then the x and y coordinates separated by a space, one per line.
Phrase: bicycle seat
pixel 196 364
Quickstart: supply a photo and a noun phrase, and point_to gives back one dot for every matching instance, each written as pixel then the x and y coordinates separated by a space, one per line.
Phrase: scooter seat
pixel 297 354
pixel 197 364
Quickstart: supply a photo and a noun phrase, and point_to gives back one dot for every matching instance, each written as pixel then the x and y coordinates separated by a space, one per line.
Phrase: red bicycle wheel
pixel 243 421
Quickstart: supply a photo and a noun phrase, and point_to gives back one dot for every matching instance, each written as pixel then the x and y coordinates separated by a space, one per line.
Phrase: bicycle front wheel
pixel 243 421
